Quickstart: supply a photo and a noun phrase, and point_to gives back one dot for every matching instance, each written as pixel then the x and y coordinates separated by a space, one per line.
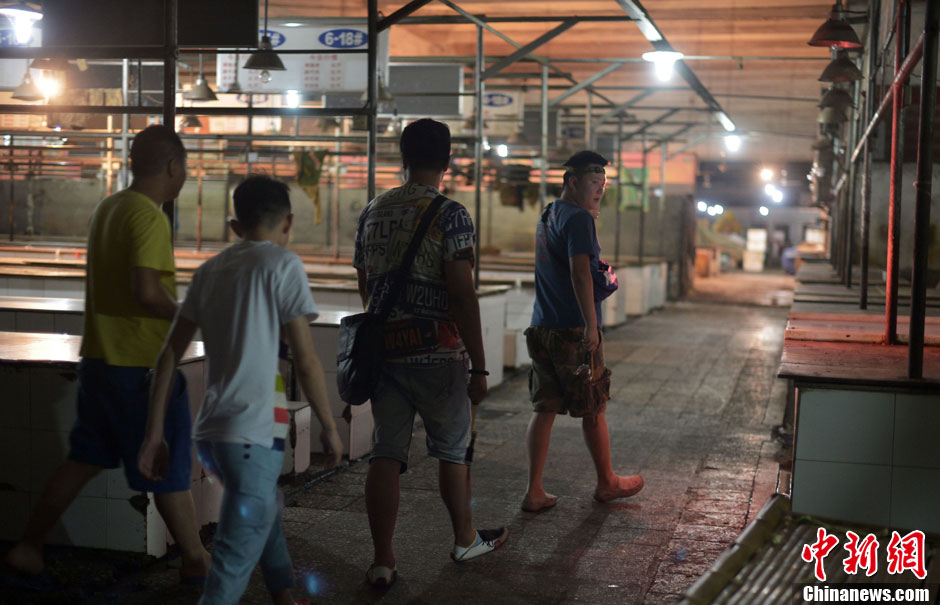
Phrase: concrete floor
pixel 694 399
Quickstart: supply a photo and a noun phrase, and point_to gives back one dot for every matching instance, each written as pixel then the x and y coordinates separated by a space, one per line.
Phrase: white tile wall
pixel 845 426
pixel 14 412
pixel 635 290
pixel 14 510
pixel 127 526
pixel 916 419
pixel 297 457
pixel 492 322
pixel 858 493
pixel 14 447
pixel 157 534
pixel 33 321
pixel 915 498
pixel 83 523
pixel 52 398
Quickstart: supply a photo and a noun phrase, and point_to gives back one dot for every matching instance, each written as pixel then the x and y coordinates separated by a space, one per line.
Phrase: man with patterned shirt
pixel 432 332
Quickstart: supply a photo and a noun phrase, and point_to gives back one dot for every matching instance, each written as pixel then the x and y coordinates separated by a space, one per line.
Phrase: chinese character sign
pixel 904 553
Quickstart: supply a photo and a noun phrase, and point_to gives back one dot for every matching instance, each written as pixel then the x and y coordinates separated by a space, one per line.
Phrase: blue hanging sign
pixel 277 38
pixel 497 99
pixel 344 38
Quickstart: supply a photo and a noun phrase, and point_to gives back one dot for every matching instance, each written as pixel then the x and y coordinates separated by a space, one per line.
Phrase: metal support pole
pixel 337 175
pixel 543 183
pixel 852 190
pixel 125 123
pixel 12 167
pixel 897 166
pixel 873 31
pixel 588 123
pixel 170 56
pixel 619 190
pixel 662 195
pixel 199 178
pixel 922 187
pixel 478 148
pixel 643 194
pixel 372 94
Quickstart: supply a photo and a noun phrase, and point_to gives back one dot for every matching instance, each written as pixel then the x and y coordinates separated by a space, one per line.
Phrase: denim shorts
pixel 438 394
pixel 112 415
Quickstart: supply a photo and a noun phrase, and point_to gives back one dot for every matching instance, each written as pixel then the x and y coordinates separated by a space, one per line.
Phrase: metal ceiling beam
pixel 454 20
pixel 689 145
pixel 671 137
pixel 649 125
pixel 635 10
pixel 531 46
pixel 400 14
pixel 642 95
pixel 585 83
pixel 505 38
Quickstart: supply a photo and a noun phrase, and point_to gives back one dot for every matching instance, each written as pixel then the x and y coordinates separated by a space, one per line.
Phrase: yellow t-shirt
pixel 127 230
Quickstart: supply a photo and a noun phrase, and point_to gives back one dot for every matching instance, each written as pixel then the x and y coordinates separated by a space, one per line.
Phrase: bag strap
pixel 398 277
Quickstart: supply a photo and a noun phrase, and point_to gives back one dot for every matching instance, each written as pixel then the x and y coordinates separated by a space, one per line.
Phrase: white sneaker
pixel 487 541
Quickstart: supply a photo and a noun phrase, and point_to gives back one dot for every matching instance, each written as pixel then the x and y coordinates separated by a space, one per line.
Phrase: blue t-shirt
pixel 564 231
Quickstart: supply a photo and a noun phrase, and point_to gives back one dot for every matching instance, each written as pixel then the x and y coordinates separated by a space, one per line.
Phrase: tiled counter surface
pixel 38 378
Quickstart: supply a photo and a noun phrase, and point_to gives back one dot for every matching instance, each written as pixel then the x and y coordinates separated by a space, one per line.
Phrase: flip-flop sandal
pixel 381 577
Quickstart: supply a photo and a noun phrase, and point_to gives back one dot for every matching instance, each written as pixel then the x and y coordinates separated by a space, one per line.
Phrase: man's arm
pixel 150 293
pixel 580 266
pixel 363 283
pixel 153 459
pixel 465 310
pixel 313 385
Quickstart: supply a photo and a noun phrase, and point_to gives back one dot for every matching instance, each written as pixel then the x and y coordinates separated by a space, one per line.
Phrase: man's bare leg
pixel 59 492
pixel 179 514
pixel 382 496
pixel 454 481
pixel 537 437
pixel 609 485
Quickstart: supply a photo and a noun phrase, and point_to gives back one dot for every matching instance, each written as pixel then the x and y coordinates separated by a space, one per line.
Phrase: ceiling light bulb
pixel 719 209
pixel 766 174
pixel 264 76
pixel 777 196
pixel 769 189
pixel 711 211
pixel 502 150
pixel 23 21
pixel 663 62
pixel 702 206
pixel 763 211
pixel 732 142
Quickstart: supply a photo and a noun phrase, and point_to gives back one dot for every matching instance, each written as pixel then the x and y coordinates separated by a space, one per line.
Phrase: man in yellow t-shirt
pixel 130 303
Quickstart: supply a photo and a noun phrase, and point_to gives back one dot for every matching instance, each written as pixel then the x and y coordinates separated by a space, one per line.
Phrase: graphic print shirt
pixel 420 329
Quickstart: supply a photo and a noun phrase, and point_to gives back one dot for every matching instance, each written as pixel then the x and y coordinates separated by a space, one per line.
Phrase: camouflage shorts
pixel 553 386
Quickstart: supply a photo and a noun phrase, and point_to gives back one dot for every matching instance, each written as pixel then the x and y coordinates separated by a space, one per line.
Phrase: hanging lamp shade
pixel 48 64
pixel 831 115
pixel 27 90
pixel 835 32
pixel 265 58
pixel 191 121
pixel 841 69
pixel 200 91
pixel 838 98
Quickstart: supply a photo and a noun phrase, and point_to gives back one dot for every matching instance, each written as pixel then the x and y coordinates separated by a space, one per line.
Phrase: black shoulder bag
pixel 361 348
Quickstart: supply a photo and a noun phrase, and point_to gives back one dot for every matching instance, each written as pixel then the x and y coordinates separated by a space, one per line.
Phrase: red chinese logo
pixel 818 551
pixel 862 554
pixel 907 553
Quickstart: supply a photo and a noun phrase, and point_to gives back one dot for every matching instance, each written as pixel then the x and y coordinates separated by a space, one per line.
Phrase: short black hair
pixel 425 145
pixel 261 200
pixel 582 163
pixel 152 148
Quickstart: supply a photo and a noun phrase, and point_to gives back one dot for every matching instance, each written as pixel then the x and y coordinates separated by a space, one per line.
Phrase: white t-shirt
pixel 240 299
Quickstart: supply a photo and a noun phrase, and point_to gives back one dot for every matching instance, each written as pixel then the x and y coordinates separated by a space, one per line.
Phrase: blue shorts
pixel 112 415
pixel 438 394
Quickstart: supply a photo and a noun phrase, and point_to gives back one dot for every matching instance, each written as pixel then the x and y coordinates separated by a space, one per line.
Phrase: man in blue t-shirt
pixel 568 375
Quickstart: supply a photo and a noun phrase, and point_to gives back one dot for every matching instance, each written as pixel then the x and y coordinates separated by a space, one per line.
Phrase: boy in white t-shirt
pixel 241 300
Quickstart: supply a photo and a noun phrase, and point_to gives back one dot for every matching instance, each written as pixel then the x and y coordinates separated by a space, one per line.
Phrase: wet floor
pixel 694 401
